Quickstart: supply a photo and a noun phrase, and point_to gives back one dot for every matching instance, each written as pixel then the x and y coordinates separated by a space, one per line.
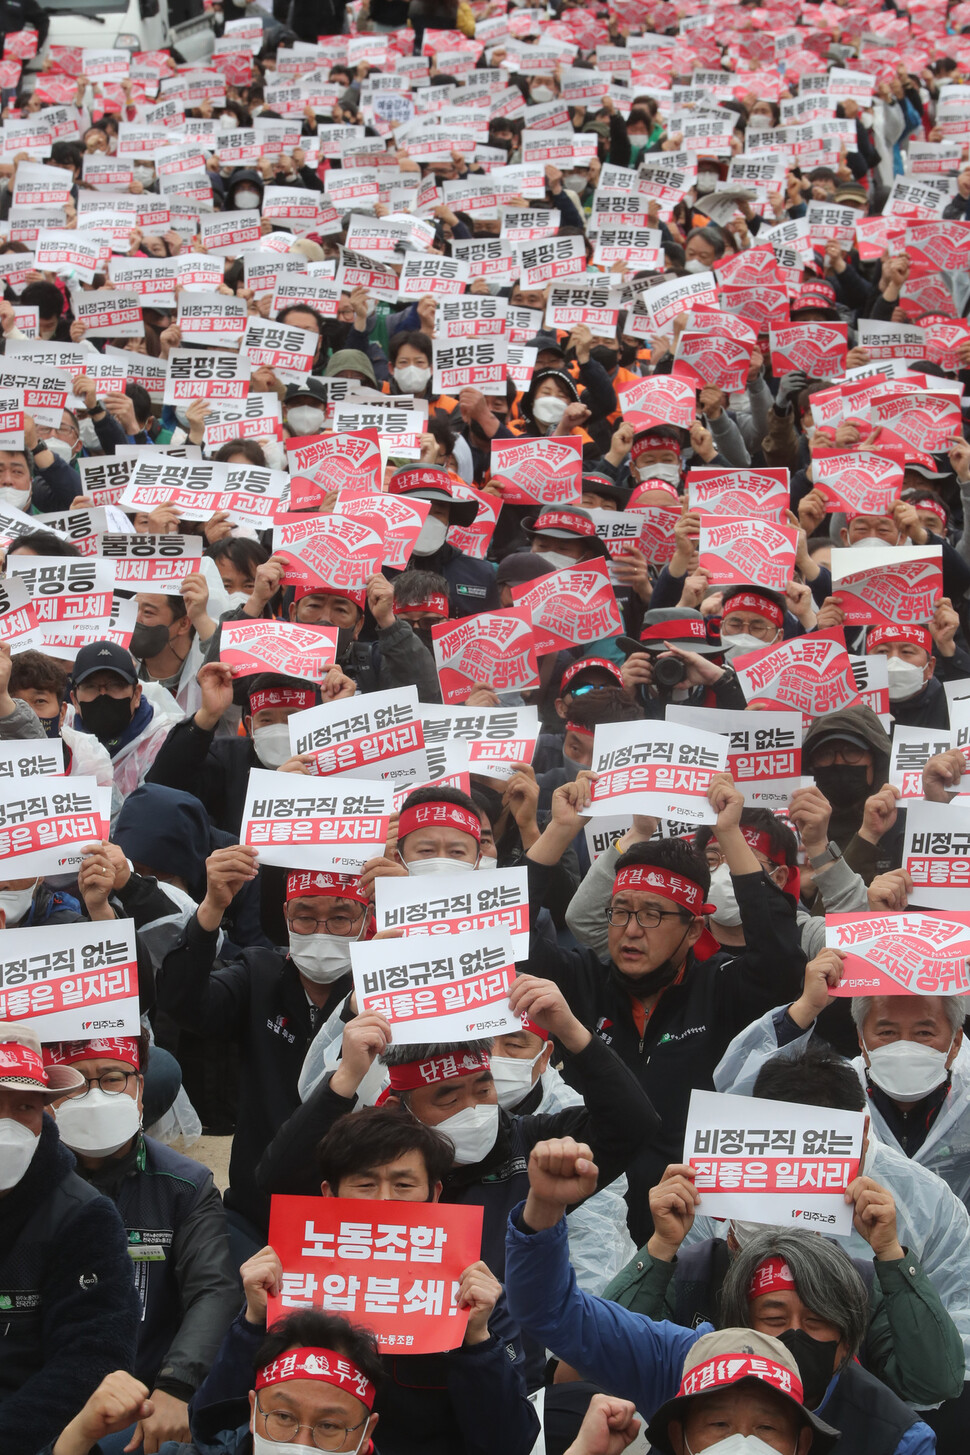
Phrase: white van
pixel 135 25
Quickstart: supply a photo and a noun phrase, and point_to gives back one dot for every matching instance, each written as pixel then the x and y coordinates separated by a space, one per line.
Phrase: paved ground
pixel 213 1152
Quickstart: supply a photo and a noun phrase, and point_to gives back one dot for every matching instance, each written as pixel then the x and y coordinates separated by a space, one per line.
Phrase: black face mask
pixel 644 985
pixel 51 725
pixel 606 356
pixel 148 641
pixel 336 334
pixel 106 717
pixel 628 354
pixel 842 784
pixel 423 634
pixel 816 1363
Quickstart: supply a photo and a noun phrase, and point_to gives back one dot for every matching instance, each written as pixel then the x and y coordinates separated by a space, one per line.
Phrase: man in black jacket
pixel 668 1015
pixel 175 1224
pixel 68 1308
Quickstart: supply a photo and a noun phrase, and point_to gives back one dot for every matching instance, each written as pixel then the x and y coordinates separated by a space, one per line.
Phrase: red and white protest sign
pixel 194 374
pixel 659 399
pixel 898 584
pixel 935 854
pixel 400 517
pixel 738 550
pixel 494 649
pixel 765 753
pixel 817 349
pixel 713 357
pixel 940 244
pixel 474 540
pixel 415 1254
pixel 656 768
pixel 381 736
pixel 149 562
pixel 860 483
pixel 902 954
pixel 457 990
pixel 928 419
pixel 570 607
pixel 65 590
pixel 333 824
pixel 20 44
pixel 328 550
pixel 498 739
pixel 284 647
pixel 338 461
pixel 200 488
pixel 773 1162
pixel 545 470
pixel 19 624
pixel 811 673
pixel 912 749
pixel 498 900
pixel 657 541
pixel 42 832
pixel 758 494
pixel 73 981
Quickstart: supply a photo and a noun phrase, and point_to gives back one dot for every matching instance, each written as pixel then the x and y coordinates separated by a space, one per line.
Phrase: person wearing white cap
pixel 68 1307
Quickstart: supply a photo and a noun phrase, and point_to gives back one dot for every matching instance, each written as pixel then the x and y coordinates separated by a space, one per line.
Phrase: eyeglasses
pixel 282 1426
pixel 87 691
pixel 112 1083
pixel 829 753
pixel 341 923
pixel 733 626
pixel 647 919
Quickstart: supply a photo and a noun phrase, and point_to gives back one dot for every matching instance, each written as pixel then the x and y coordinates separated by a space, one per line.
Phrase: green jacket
pixel 912 1344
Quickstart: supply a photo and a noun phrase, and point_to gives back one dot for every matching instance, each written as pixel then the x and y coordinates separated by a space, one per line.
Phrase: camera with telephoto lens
pixel 668 672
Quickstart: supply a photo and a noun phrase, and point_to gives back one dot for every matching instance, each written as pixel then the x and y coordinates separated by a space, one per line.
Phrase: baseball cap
pixel 589 664
pixel 434 482
pixel 312 386
pixel 564 523
pixel 103 657
pixel 22 1064
pixel 719 1361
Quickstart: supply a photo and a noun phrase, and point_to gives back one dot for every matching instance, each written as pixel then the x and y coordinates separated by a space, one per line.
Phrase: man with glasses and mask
pixel 109 703
pixel 669 1015
pixel 472 1397
pixel 175 1222
pixel 271 1003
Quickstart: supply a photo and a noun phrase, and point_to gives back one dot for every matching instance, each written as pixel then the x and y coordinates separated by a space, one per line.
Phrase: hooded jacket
pixel 846 821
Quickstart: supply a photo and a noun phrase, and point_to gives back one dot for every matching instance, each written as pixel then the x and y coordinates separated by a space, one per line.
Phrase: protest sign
pixel 757 494
pixel 902 954
pixel 285 647
pixel 64 590
pixel 810 673
pixel 150 563
pixel 570 607
pixel 328 550
pixel 764 753
pixel 912 748
pixel 378 735
pixel 71 981
pixel 862 483
pixel 30 758
pixel 741 551
pixel 456 991
pixel 927 419
pixel 936 854
pixel 194 375
pixel 658 399
pixel 774 1162
pixel 198 489
pixel 399 517
pixel 407 1293
pixel 341 461
pixel 817 349
pixel 497 738
pixel 495 899
pixel 42 828
pixel 495 649
pixel 334 824
pixel 546 470
pixel 655 768
pixel 898 585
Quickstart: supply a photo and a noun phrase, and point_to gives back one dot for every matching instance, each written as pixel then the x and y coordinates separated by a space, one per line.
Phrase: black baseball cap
pixel 103 657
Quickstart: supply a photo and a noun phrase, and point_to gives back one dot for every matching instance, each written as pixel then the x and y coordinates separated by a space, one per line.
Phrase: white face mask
pixel 247 198
pixel 907 1071
pixel 737 1445
pixel 557 560
pixel 905 679
pixel 304 419
pixel 274 454
pixel 16 902
pixel 742 642
pixel 17 1147
pixel 576 181
pixel 411 378
pixel 263 1446
pixel 706 182
pixel 19 499
pixel 664 471
pixel 60 448
pixel 89 435
pixel 513 1078
pixel 870 543
pixel 431 537
pixel 144 175
pixel 549 409
pixel 272 744
pixel 321 958
pixel 539 94
pixel 472 1132
pixel 694 265
pixel 723 898
pixel 417 867
pixel 97 1123
pixel 759 122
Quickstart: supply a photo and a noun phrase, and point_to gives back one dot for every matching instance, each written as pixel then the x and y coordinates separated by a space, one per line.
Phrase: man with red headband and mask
pixel 916 696
pixel 269 1003
pixel 668 1014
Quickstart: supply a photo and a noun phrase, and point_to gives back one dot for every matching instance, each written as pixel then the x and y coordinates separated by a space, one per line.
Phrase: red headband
pixel 433 602
pixel 933 506
pixel 753 601
pixel 423 477
pixel 727 1369
pixel 587 664
pixel 646 442
pixel 119 1048
pixel 533 1029
pixel 680 629
pixel 771 1276
pixel 434 815
pixel 563 520
pixel 305 883
pixel 762 842
pixel 21 1063
pixel 281 697
pixel 359 598
pixel 918 635
pixel 653 878
pixel 321 1364
pixel 650 484
pixel 575 727
pixel 413 1074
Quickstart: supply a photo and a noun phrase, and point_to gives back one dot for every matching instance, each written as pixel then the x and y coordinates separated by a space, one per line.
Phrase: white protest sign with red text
pixel 454 990
pixel 902 954
pixel 315 823
pixel 811 673
pixel 898 584
pixel 72 982
pixel 544 470
pixel 738 550
pixel 569 607
pixel 656 768
pixel 286 647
